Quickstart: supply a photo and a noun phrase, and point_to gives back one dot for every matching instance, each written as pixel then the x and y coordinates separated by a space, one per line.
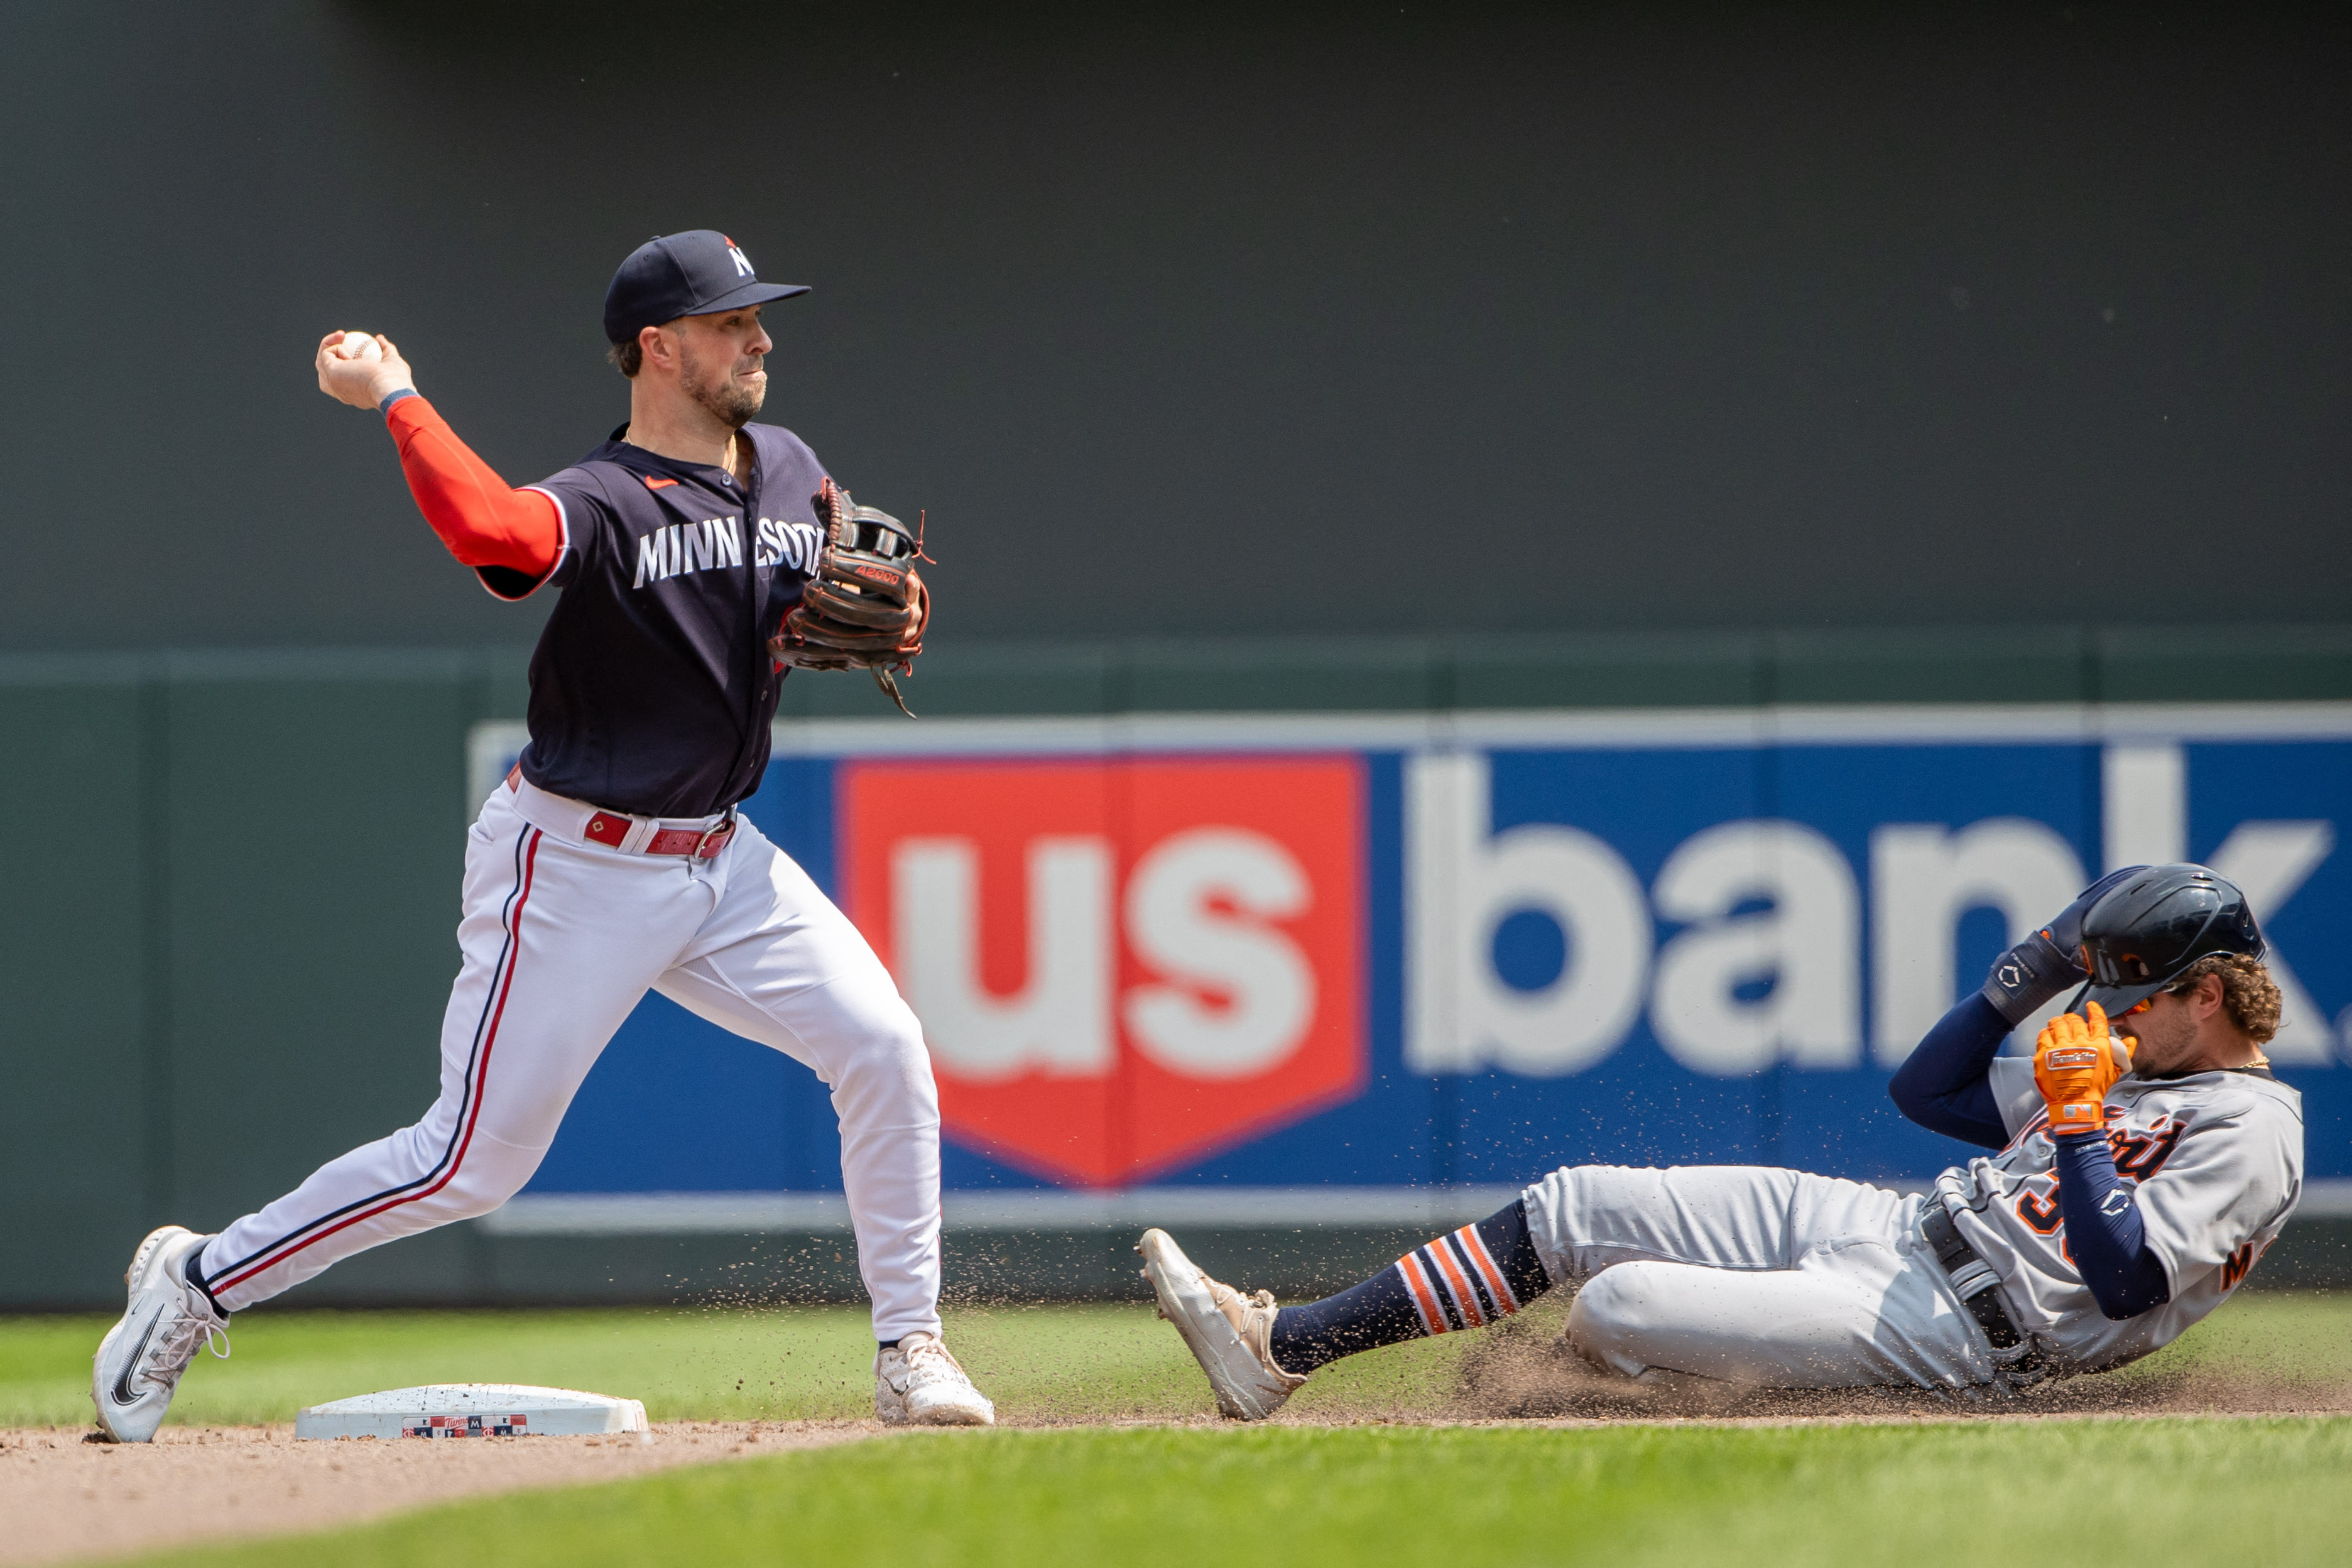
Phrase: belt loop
pixel 640 834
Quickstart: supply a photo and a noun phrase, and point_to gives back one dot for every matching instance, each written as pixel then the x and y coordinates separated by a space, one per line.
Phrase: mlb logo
pixel 1121 965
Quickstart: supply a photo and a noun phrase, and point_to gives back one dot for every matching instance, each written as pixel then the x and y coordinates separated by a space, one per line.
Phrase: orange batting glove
pixel 2075 1062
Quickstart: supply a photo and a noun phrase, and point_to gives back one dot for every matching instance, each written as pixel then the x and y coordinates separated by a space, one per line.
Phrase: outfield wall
pixel 1315 980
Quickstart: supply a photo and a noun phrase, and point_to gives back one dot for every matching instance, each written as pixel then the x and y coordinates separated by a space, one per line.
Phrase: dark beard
pixel 732 404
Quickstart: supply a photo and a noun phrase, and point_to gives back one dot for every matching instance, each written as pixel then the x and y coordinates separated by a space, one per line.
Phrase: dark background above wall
pixel 1218 319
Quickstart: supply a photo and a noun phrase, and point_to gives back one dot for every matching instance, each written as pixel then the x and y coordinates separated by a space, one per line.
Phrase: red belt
pixel 702 843
pixel 609 828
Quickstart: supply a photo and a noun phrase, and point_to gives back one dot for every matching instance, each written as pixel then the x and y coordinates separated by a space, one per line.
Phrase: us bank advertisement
pixel 1281 951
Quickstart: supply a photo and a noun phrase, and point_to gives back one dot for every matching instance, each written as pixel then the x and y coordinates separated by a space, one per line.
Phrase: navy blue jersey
pixel 652 687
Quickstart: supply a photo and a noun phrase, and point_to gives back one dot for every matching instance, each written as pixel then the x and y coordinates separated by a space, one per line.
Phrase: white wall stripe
pixel 671 1213
pixel 1570 729
pixel 1546 729
pixel 1434 1209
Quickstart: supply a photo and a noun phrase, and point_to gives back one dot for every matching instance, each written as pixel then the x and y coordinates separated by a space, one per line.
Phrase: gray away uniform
pixel 1792 1280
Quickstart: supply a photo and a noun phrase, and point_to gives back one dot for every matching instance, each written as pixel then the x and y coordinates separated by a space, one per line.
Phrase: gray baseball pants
pixel 1754 1275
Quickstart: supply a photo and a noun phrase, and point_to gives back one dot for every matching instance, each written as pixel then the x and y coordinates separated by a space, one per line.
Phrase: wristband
pixel 2077 1116
pixel 391 397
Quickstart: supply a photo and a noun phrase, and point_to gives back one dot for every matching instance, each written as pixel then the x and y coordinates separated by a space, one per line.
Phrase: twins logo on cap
pixel 699 271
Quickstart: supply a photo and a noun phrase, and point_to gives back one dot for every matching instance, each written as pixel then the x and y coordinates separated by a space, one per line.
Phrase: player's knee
pixel 890 1040
pixel 898 1068
pixel 1606 1318
pixel 486 1177
pixel 884 1052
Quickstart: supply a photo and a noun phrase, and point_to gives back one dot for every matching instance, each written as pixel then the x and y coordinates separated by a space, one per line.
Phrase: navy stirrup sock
pixel 192 1270
pixel 1467 1279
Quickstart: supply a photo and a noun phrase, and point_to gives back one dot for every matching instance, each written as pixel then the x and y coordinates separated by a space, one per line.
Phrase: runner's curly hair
pixel 2248 992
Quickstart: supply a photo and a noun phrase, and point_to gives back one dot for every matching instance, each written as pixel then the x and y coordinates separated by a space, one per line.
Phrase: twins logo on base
pixel 515 1426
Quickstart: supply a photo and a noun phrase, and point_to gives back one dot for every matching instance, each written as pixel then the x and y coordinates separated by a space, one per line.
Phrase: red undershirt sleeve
pixel 484 520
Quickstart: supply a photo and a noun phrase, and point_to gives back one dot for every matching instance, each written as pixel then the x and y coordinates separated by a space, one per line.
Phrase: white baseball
pixel 358 345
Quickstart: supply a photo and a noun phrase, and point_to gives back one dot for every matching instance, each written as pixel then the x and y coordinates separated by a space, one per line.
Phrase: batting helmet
pixel 2149 927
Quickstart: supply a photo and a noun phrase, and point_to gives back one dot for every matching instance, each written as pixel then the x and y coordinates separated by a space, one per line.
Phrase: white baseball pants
pixel 1753 1274
pixel 560 938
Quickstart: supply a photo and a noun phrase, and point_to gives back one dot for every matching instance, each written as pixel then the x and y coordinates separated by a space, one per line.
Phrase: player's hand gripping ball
pixel 2075 1061
pixel 361 369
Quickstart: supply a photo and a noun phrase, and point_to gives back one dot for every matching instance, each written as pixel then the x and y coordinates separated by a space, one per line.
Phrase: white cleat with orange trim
pixel 1226 1330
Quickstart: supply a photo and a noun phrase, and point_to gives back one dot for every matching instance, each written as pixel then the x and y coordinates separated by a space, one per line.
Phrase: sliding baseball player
pixel 2137 1165
pixel 697 556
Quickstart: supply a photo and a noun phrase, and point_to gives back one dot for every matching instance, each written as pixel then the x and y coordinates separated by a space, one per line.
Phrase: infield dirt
pixel 1516 1374
pixel 67 1498
pixel 209 1476
pixel 64 1497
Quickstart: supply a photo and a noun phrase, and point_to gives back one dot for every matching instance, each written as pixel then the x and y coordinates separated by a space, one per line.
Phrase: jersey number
pixel 2039 1212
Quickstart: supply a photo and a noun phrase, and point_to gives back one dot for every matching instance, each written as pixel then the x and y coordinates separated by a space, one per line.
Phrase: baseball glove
pixel 865 606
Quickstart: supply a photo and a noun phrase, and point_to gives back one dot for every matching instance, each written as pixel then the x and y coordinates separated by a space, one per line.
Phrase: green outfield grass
pixel 735 1364
pixel 686 1365
pixel 2270 1491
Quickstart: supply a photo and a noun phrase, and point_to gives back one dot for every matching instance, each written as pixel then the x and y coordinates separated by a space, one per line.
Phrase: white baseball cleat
pixel 139 1362
pixel 1228 1332
pixel 918 1383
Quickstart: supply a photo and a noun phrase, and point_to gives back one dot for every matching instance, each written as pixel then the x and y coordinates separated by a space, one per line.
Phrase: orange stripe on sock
pixel 1433 1318
pixel 1476 1246
pixel 1462 1291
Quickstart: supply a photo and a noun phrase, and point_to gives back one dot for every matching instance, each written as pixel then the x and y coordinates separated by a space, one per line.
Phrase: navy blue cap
pixel 690 274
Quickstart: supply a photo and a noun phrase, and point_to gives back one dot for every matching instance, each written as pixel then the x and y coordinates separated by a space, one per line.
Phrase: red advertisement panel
pixel 1120 965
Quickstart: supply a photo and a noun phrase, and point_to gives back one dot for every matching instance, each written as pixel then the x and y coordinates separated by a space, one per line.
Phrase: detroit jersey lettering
pixel 2214 1161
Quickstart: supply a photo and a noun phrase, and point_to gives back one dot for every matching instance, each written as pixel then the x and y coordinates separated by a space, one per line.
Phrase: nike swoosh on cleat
pixel 122 1390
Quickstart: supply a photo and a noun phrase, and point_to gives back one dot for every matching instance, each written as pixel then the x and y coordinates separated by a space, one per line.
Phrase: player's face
pixel 2166 1034
pixel 722 363
pixel 2175 1029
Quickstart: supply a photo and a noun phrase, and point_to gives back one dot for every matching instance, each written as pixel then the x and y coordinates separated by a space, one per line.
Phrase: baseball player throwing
pixel 2135 1178
pixel 698 555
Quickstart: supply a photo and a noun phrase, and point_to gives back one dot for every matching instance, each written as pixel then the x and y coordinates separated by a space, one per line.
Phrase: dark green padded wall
pixel 75 907
pixel 229 929
pixel 314 821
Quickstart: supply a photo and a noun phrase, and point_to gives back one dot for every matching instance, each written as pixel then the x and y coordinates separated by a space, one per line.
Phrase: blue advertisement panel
pixel 1345 951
